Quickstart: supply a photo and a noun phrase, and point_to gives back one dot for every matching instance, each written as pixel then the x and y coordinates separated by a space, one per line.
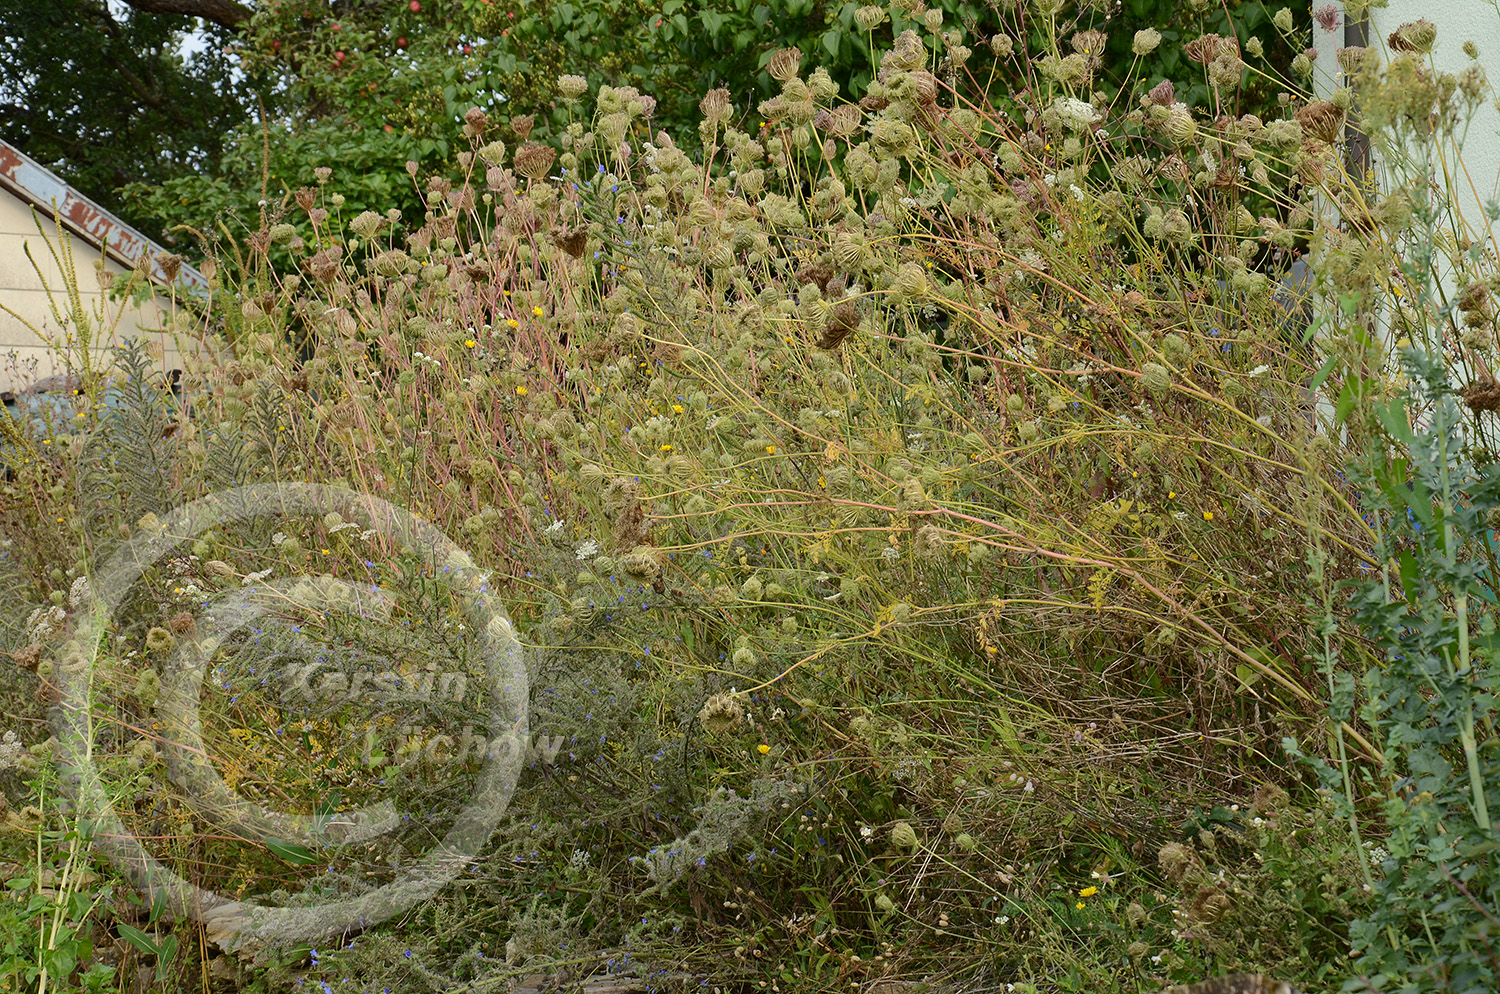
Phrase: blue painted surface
pixel 47 412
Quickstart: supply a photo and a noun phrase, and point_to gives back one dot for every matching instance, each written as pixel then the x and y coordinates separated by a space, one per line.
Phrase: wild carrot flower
pixel 721 713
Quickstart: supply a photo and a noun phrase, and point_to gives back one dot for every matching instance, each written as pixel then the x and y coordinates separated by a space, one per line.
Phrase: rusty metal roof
pixel 29 180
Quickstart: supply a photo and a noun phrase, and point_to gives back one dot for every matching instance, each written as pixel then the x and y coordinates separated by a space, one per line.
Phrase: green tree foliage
pixel 110 98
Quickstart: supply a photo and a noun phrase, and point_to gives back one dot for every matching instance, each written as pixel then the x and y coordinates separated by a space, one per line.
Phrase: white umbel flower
pixel 1079 115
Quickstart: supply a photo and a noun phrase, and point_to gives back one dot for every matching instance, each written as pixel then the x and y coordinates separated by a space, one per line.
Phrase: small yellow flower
pixel 770 450
pixel 1079 905
pixel 762 748
pixel 506 292
pixel 538 311
pixel 1208 515
pixel 469 343
pixel 676 409
pixel 1088 892
pixel 512 323
pixel 666 448
pixel 521 391
pixel 1171 494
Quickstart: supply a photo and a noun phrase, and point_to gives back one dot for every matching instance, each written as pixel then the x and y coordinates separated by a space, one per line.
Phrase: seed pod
pixel 477 120
pixel 785 63
pixel 1414 36
pixel 911 281
pixel 1321 120
pixel 843 321
pixel 571 240
pixel 533 160
pixel 720 714
pixel 716 106
pixel 1175 860
pixel 1356 59
pixel 1210 905
pixel 719 256
pixel 1180 126
pixel 1482 395
pixel 849 253
pixel 159 640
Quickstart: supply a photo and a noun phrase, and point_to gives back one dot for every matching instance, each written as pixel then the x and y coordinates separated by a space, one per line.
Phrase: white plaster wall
pixel 23 357
pixel 1477 163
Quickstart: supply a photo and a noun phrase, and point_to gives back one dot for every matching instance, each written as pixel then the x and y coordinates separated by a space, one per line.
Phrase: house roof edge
pixel 29 180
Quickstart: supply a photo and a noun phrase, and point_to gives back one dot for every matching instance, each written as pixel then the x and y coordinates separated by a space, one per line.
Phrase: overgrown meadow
pixel 952 546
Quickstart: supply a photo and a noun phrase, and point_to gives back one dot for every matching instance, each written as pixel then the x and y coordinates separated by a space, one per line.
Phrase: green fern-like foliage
pixel 227 459
pixel 130 465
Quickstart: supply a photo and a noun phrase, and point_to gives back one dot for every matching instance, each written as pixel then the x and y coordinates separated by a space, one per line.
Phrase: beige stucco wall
pixel 23 357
